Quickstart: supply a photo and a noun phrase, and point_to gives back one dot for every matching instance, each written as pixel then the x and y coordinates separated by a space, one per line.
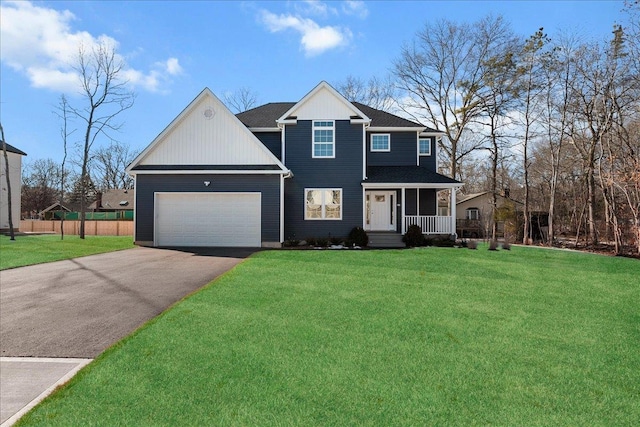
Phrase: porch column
pixel 402 208
pixel 453 211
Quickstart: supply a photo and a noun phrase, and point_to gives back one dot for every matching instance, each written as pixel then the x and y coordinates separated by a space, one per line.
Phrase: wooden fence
pixel 91 228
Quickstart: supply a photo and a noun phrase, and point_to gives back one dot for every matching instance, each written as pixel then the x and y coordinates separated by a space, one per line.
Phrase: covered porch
pixel 395 198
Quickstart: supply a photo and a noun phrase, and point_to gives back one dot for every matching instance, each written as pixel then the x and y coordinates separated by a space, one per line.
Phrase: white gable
pixel 324 103
pixel 206 133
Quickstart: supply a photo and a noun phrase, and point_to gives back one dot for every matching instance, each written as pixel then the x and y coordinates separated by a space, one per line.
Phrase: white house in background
pixel 14 156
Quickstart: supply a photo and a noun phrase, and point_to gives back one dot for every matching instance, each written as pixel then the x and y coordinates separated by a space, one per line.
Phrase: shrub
pixel 413 237
pixel 493 245
pixel 291 243
pixel 358 236
pixel 506 246
pixel 335 240
pixel 443 242
pixel 472 244
pixel 322 242
pixel 311 241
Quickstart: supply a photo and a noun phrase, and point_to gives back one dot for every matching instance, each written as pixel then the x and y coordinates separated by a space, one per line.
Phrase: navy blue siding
pixel 268 185
pixel 430 161
pixel 404 150
pixel 344 171
pixel 273 141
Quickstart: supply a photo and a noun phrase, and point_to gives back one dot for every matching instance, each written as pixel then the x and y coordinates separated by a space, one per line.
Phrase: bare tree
pixel 40 184
pixel 593 94
pixel 110 163
pixel 441 73
pixel 376 93
pixel 241 100
pixel 63 112
pixel 106 96
pixel 6 170
pixel 531 63
pixel 496 95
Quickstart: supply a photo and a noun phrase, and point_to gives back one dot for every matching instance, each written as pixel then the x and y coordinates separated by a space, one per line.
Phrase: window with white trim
pixel 323 203
pixel 380 142
pixel 323 139
pixel 424 146
pixel 473 213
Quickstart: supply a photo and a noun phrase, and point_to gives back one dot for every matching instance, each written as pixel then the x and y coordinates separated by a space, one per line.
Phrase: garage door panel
pixel 208 219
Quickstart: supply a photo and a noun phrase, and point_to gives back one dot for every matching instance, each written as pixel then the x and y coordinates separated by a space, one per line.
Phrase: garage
pixel 207 219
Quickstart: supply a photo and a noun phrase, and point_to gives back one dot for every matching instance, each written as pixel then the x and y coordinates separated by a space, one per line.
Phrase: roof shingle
pixel 405 174
pixel 266 115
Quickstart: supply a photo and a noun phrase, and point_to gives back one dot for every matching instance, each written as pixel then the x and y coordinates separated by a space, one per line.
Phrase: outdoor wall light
pixel 207 183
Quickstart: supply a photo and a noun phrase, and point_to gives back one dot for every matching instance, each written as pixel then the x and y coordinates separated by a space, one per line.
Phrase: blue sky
pixel 279 50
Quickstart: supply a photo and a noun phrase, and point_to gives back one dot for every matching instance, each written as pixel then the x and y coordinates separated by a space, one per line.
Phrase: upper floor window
pixel 473 213
pixel 381 142
pixel 323 139
pixel 424 146
pixel 323 203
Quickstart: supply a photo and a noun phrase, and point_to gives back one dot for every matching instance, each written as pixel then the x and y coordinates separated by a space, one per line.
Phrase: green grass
pixel 36 249
pixel 430 336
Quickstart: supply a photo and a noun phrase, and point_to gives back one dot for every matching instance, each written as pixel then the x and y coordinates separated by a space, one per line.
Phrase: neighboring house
pixel 115 200
pixel 475 213
pixel 313 168
pixel 14 156
pixel 54 211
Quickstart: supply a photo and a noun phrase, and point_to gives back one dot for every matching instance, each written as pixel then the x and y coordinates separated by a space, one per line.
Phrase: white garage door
pixel 207 219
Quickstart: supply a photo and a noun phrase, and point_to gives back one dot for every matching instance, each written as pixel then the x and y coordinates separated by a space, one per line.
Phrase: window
pixel 424 146
pixel 473 213
pixel 323 203
pixel 323 141
pixel 380 142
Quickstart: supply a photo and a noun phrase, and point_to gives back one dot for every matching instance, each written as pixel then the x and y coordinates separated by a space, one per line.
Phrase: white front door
pixel 380 210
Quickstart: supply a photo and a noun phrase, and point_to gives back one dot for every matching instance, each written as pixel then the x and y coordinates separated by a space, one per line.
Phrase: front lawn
pixel 36 249
pixel 430 336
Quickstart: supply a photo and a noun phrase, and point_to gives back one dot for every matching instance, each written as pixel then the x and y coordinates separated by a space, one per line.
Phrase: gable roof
pixel 205 134
pixel 323 102
pixel 12 149
pixel 55 207
pixel 472 196
pixel 266 116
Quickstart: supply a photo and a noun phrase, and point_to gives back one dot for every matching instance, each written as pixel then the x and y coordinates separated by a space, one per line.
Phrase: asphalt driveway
pixel 77 308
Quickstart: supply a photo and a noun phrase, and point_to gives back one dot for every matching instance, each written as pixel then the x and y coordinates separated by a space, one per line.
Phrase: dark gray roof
pixel 405 174
pixel 12 149
pixel 205 167
pixel 266 115
pixel 381 118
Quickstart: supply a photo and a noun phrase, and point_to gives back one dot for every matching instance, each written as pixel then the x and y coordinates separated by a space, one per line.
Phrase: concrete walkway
pixel 57 317
pixel 27 380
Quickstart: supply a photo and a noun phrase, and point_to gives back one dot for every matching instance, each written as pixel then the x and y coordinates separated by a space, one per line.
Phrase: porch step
pixel 385 240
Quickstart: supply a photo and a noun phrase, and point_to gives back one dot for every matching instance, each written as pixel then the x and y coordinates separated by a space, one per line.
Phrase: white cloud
pixel 40 43
pixel 355 7
pixel 315 39
pixel 314 7
pixel 173 66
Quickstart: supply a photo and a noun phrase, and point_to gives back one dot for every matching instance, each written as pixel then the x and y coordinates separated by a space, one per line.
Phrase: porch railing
pixel 430 224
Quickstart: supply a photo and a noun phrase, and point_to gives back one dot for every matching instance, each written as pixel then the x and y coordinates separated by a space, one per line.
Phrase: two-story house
pixel 290 170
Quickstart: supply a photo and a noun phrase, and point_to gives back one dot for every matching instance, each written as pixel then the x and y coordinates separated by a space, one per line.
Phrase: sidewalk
pixel 23 379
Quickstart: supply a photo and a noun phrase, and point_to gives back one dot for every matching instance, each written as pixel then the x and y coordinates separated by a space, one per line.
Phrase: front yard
pixel 430 336
pixel 36 249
